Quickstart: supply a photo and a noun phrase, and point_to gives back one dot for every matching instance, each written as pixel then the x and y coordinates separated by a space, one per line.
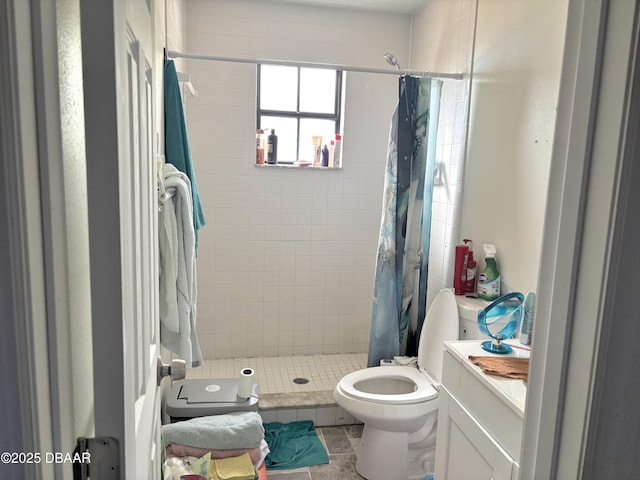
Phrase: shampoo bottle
pixel 325 156
pixel 489 279
pixel 272 148
pixel 471 269
pixel 259 147
pixel 526 332
pixel 460 269
pixel 317 150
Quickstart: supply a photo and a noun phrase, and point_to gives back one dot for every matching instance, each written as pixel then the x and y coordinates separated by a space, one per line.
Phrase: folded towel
pixel 232 468
pixel 509 367
pixel 217 432
pixel 257 454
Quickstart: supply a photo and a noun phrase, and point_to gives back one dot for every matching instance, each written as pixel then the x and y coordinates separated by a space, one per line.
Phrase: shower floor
pixel 292 388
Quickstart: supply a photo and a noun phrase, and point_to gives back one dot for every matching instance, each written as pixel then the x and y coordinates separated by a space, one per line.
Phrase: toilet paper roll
pixel 245 382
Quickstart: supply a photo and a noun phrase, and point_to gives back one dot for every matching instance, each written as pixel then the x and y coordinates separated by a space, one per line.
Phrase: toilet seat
pixel 423 388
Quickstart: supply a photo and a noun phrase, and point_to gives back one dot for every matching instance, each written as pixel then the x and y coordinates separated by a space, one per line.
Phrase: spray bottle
pixel 489 279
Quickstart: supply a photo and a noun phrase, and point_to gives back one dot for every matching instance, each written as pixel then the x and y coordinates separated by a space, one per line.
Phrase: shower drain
pixel 300 380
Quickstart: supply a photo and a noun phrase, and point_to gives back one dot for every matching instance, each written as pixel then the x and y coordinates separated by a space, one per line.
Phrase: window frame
pixel 297 114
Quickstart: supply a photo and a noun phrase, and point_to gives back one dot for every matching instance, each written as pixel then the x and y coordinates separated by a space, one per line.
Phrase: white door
pixel 120 65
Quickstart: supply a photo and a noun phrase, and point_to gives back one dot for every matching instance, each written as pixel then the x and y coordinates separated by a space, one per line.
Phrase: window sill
pixel 291 165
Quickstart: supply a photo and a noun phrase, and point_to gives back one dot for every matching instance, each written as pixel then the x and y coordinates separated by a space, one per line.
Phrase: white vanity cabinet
pixel 480 418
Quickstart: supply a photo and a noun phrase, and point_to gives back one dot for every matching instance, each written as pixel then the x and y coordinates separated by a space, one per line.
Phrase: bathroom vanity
pixel 480 418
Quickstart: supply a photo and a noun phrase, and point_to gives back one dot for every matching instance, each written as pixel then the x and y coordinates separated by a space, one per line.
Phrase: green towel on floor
pixel 293 445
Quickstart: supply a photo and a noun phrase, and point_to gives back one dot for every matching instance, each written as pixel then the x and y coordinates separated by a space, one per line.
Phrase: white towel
pixel 217 432
pixel 178 289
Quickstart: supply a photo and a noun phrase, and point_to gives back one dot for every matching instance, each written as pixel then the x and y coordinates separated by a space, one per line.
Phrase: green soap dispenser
pixel 489 279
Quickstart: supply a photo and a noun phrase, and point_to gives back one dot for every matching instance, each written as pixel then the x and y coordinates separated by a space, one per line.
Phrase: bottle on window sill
pixel 272 148
pixel 259 147
pixel 325 156
pixel 332 149
pixel 337 152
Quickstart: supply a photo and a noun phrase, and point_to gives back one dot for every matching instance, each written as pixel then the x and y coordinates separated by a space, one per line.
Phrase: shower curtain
pixel 399 296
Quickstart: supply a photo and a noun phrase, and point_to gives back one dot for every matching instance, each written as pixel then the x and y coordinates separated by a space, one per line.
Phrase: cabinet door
pixel 465 451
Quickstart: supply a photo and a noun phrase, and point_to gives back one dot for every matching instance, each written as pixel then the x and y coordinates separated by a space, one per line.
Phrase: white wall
pixel 515 85
pixel 442 41
pixel 175 28
pixel 77 232
pixel 286 261
pixel 495 191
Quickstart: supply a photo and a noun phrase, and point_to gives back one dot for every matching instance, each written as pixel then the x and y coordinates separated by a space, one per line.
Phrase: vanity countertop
pixel 512 391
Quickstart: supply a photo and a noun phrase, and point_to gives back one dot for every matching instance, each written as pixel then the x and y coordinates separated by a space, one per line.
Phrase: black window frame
pixel 297 114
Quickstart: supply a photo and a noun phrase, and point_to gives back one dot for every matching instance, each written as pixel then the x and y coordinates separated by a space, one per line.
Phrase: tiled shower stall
pixel 286 261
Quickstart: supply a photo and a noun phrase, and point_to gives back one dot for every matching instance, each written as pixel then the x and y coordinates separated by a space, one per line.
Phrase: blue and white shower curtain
pixel 400 288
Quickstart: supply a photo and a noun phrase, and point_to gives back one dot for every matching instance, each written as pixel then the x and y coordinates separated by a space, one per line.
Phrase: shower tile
pixel 307 414
pixel 286 416
pixel 268 416
pixel 326 416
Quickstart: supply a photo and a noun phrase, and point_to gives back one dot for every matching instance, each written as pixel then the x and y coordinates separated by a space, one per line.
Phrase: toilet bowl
pixel 399 404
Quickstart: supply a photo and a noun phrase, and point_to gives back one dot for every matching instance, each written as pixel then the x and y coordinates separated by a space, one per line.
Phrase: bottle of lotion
pixel 272 148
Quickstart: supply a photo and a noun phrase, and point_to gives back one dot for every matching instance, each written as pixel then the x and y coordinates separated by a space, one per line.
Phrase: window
pixel 299 103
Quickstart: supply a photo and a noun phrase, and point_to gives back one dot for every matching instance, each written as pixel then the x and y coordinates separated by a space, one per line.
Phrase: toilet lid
pixel 370 384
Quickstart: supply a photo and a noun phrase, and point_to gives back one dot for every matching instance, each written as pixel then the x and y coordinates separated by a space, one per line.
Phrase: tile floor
pixel 341 443
pixel 276 374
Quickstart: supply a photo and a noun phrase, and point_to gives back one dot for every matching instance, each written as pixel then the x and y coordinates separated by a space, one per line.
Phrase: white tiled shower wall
pixel 442 40
pixel 175 27
pixel 286 261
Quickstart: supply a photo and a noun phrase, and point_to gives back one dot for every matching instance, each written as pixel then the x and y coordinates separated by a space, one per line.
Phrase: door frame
pixel 584 269
pixel 28 352
pixel 39 340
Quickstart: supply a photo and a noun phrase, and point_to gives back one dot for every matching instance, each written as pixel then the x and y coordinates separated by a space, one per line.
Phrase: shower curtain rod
pixel 289 63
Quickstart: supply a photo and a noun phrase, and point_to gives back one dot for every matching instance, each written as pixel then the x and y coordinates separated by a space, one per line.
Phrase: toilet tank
pixel 468 309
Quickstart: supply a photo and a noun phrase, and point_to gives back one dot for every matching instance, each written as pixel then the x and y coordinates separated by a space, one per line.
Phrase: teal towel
pixel 176 141
pixel 293 445
pixel 217 432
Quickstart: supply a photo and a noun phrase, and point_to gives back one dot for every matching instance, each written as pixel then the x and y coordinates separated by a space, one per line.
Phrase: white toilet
pixel 399 404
